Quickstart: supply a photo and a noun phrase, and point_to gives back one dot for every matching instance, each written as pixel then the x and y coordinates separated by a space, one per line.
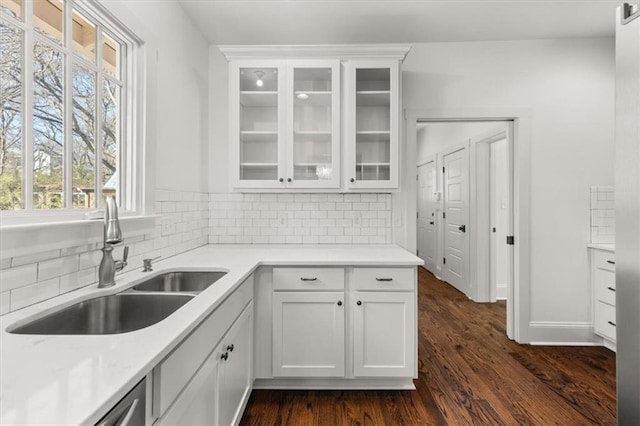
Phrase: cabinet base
pixel 335 384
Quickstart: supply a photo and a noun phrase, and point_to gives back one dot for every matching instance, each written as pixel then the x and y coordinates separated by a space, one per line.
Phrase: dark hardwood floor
pixel 469 373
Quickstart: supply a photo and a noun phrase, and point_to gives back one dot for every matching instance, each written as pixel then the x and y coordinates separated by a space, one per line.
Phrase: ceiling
pixel 397 21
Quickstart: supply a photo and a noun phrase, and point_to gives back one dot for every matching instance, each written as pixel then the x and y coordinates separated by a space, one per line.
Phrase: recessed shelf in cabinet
pixel 259 136
pixel 314 98
pixel 371 98
pixel 258 98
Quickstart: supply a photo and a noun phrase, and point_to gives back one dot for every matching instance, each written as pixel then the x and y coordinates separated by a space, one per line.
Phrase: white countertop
pixel 57 379
pixel 602 246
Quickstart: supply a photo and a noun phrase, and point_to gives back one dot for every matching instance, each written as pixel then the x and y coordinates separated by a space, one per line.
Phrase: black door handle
pixel 431 223
pixel 462 228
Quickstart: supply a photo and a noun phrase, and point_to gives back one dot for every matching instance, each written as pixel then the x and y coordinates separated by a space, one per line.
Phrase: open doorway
pixel 465 207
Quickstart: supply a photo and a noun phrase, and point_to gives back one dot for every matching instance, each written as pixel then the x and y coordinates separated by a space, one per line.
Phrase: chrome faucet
pixel 112 236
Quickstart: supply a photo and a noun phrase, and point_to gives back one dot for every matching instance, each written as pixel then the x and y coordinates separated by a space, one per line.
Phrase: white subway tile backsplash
pixel 602 215
pixel 57 267
pixel 78 279
pixel 5 263
pixel 34 293
pixel 184 225
pixel 18 277
pixel 5 305
pixel 34 258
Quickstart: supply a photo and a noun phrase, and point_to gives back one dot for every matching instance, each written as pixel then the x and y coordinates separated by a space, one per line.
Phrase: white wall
pixel 433 138
pixel 179 113
pixel 568 88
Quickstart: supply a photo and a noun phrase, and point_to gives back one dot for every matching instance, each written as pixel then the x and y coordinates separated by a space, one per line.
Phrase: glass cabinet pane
pixel 312 124
pixel 258 123
pixel 373 124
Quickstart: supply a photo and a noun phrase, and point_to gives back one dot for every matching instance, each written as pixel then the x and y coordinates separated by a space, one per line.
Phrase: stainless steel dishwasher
pixel 130 411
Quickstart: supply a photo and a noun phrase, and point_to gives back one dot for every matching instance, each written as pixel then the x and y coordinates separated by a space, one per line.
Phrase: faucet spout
pixel 112 232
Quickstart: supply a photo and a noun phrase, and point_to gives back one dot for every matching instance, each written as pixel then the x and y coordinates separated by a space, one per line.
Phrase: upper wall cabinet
pixel 373 108
pixel 290 124
pixel 285 124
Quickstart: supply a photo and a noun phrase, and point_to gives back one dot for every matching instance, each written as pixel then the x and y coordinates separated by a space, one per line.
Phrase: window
pixel 66 127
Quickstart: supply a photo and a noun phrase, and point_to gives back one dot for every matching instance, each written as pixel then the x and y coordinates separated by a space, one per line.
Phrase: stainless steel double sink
pixel 145 304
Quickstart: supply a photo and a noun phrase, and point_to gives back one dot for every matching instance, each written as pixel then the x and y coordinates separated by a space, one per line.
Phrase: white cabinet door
pixel 285 124
pixel 235 370
pixel 372 124
pixel 196 404
pixel 257 123
pixel 313 124
pixel 384 334
pixel 308 334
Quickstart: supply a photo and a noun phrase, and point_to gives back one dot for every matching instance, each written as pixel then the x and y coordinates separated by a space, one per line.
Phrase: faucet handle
pixel 125 254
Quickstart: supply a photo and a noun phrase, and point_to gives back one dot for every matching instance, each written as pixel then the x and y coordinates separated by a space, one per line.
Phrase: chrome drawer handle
pixel 612 323
pixel 384 279
pixel 611 262
pixel 611 288
pixel 308 279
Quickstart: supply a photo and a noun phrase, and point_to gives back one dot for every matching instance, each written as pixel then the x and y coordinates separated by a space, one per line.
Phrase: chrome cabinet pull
pixel 384 279
pixel 308 279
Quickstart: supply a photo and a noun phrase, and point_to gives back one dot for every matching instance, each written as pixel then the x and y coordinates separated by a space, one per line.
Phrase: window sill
pixel 26 239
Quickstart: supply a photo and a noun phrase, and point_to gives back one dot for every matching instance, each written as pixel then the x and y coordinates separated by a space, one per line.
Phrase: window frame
pixel 130 158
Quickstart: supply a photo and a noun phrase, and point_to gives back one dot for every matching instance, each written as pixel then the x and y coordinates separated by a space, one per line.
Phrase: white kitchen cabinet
pixel 603 281
pixel 308 334
pixel 235 369
pixel 188 377
pixel 285 124
pixel 372 124
pixel 384 334
pixel 219 390
pixel 383 303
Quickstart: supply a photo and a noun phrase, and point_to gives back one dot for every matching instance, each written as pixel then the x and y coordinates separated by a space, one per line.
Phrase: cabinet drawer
pixel 604 260
pixel 320 279
pixel 384 279
pixel 605 320
pixel 605 286
pixel 174 372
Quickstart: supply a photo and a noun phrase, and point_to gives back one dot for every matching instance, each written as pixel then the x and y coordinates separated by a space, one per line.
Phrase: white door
pixel 456 218
pixel 384 334
pixel 235 369
pixel 427 239
pixel 308 334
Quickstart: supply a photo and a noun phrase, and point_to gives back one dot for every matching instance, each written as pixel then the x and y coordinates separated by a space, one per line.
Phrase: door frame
pixel 407 203
pixel 432 159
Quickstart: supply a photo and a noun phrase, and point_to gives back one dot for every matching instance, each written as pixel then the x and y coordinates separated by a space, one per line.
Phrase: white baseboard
pixel 318 383
pixel 562 334
pixel 501 292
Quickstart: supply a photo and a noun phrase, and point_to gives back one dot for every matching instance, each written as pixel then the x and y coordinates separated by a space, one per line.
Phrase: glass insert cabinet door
pixel 258 120
pixel 313 124
pixel 374 143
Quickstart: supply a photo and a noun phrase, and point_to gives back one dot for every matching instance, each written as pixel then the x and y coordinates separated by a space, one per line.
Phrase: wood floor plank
pixel 470 373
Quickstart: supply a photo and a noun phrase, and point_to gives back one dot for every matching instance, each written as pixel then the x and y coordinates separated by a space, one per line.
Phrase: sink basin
pixel 191 282
pixel 118 313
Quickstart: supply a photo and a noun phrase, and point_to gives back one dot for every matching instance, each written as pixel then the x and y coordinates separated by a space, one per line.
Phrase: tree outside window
pixel 67 101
